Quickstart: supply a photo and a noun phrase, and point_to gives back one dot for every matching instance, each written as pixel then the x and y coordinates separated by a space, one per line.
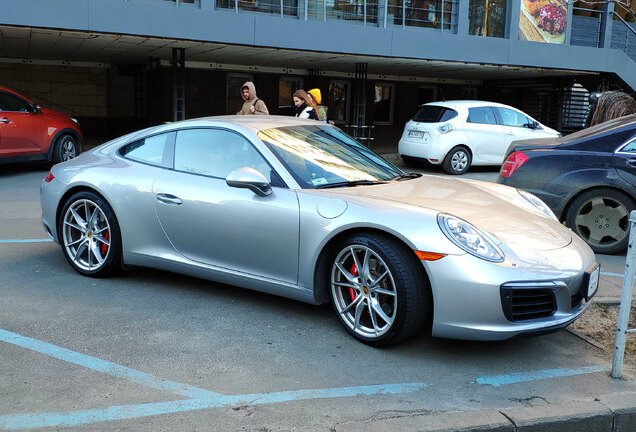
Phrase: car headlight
pixel 536 201
pixel 469 238
pixel 445 128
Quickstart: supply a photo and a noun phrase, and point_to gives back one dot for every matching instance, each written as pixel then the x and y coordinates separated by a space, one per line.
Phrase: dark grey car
pixel 588 179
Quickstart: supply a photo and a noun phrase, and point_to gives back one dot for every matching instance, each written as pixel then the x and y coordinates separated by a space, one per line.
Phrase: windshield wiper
pixel 349 183
pixel 407 176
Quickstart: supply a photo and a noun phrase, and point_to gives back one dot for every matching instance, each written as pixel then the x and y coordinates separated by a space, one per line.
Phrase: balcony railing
pixel 442 15
pixel 624 36
pixel 435 14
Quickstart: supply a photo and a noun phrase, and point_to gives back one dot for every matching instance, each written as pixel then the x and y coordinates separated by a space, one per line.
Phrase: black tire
pixel 66 148
pixel 457 161
pixel 392 279
pixel 89 234
pixel 601 218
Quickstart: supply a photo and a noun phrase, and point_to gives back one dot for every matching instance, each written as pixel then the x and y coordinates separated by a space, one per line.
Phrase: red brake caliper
pixel 104 247
pixel 354 272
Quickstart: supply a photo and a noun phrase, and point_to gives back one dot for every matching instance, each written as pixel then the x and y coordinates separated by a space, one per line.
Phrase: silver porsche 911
pixel 299 209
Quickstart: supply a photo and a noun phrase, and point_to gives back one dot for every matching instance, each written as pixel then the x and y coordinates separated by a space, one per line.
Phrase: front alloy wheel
pixel 364 291
pixel 90 235
pixel 377 290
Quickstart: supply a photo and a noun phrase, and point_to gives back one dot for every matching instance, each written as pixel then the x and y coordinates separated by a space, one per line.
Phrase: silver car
pixel 299 209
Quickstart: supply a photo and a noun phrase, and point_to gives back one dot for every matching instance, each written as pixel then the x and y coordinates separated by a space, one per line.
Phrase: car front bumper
pixel 469 295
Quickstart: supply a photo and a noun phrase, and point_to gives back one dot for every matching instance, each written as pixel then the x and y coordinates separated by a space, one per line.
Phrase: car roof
pixel 466 104
pixel 252 123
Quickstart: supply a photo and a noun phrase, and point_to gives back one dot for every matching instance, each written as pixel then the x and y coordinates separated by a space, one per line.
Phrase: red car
pixel 30 132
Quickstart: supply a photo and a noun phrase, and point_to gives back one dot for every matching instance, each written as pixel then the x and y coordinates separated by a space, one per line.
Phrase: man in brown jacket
pixel 252 104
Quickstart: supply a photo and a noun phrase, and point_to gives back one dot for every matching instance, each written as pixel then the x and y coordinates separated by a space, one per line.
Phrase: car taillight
pixel 512 163
pixel 49 178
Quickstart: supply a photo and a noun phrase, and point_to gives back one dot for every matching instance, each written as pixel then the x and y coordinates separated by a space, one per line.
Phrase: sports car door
pixel 210 222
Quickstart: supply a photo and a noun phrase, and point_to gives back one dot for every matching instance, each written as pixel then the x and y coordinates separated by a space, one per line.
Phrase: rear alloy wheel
pixel 66 148
pixel 377 290
pixel 457 161
pixel 601 218
pixel 90 235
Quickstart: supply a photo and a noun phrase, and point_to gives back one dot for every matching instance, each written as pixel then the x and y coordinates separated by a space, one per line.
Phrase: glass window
pixel 234 98
pixel 286 88
pixel 434 114
pixel 483 115
pixel 153 150
pixel 216 153
pixel 487 18
pixel 383 104
pixel 513 118
pixel 630 147
pixel 324 156
pixel 338 101
pixel 9 102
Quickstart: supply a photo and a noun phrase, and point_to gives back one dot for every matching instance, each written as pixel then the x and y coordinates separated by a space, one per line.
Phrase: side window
pixel 483 115
pixel 9 102
pixel 153 150
pixel 513 118
pixel 630 147
pixel 216 153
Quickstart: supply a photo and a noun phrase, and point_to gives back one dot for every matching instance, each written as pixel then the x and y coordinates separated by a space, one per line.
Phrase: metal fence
pixel 624 36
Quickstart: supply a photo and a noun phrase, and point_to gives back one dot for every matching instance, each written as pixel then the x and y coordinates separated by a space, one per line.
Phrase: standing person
pixel 321 110
pixel 304 105
pixel 252 104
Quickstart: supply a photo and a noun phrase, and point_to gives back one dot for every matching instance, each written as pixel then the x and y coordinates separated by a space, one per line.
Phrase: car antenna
pixel 442 93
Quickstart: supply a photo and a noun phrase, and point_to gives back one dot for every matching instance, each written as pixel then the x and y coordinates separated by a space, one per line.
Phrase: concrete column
pixel 606 25
pixel 207 4
pixel 568 29
pixel 462 17
pixel 512 29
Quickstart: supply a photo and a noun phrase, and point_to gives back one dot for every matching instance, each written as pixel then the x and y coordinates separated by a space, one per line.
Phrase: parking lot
pixel 151 350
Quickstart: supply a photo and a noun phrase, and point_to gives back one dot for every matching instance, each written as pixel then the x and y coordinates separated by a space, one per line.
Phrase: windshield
pixel 324 156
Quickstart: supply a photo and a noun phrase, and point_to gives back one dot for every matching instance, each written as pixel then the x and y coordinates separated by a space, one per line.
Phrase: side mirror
pixel 534 125
pixel 251 179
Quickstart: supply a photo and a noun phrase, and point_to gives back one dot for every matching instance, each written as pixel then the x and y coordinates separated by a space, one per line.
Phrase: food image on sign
pixel 543 21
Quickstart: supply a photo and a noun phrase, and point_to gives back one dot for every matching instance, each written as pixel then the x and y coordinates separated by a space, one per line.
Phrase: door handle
pixel 5 120
pixel 509 133
pixel 631 161
pixel 169 199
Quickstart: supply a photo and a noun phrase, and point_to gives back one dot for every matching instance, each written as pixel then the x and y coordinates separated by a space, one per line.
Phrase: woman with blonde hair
pixel 305 106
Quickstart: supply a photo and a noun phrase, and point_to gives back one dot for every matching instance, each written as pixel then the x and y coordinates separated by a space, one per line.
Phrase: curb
pixel 611 413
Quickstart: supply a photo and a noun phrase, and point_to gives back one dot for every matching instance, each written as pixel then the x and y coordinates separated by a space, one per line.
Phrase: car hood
pixel 496 209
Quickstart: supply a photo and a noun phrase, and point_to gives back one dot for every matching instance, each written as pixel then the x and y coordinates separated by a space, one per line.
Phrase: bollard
pixel 626 301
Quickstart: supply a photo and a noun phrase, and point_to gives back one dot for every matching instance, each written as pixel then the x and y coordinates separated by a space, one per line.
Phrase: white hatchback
pixel 458 134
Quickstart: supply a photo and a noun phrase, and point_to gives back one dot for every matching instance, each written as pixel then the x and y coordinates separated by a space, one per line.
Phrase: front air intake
pixel 522 304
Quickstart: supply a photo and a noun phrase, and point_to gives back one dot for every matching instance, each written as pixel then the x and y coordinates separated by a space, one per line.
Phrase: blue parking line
pixel 127 412
pixel 103 366
pixel 199 399
pixel 514 378
pixel 26 241
pixel 614 274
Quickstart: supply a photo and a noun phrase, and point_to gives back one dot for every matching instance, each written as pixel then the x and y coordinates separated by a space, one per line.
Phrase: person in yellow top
pixel 321 110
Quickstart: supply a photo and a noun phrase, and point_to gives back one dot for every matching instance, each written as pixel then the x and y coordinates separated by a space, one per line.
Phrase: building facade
pixel 120 65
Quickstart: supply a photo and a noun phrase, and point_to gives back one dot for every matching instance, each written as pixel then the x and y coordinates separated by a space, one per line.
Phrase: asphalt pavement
pixel 151 350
